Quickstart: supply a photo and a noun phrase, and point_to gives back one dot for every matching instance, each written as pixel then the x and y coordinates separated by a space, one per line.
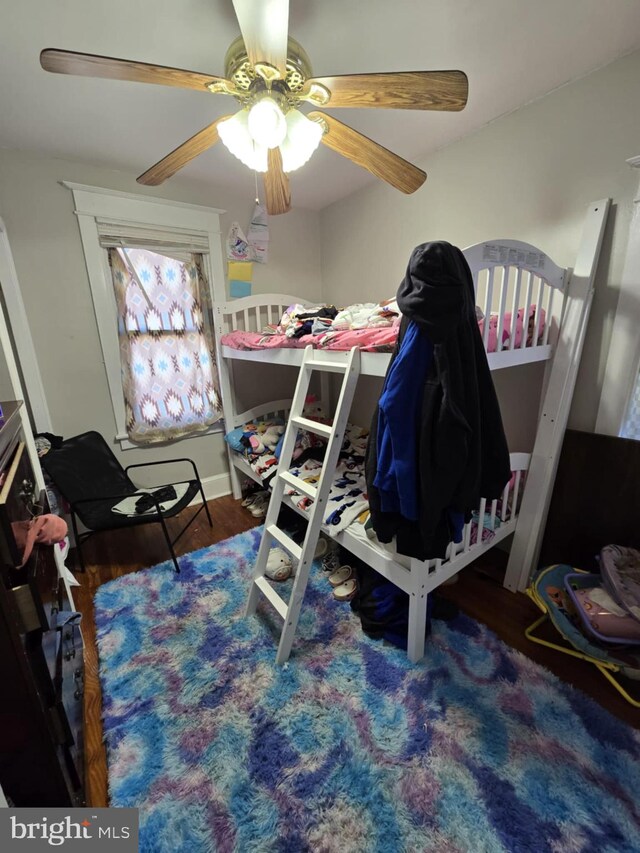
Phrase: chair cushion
pixel 99 515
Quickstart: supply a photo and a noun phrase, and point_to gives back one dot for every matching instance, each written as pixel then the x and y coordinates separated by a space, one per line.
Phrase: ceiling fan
pixel 269 74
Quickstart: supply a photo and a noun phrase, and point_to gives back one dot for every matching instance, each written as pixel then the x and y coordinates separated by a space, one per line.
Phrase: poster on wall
pixel 238 248
pixel 258 235
pixel 240 275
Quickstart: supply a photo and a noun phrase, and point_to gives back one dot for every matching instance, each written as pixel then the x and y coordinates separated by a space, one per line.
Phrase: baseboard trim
pixel 214 487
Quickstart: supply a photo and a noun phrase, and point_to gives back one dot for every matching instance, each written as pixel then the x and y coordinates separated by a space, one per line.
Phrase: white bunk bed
pixel 509 275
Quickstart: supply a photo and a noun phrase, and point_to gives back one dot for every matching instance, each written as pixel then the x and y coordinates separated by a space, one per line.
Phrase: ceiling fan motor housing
pixel 239 69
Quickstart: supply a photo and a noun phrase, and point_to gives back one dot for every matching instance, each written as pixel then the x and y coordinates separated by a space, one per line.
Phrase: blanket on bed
pixel 381 338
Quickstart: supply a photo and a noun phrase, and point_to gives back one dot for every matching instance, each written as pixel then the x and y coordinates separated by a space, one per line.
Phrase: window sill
pixel 126 444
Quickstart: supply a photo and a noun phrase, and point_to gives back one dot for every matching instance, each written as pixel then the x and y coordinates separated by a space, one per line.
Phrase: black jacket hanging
pixel 462 450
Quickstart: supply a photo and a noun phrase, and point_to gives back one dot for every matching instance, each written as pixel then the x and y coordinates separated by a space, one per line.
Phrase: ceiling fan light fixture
pixel 266 122
pixel 234 134
pixel 302 139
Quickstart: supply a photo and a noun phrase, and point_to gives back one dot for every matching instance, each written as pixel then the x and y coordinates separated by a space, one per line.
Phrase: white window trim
pixel 92 203
pixel 623 357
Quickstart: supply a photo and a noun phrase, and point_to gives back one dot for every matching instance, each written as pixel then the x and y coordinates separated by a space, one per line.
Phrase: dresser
pixel 41 658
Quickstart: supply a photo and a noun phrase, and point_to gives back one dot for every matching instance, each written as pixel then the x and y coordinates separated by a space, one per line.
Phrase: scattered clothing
pixel 63 618
pixel 128 506
pixel 45 441
pixel 298 320
pixel 148 501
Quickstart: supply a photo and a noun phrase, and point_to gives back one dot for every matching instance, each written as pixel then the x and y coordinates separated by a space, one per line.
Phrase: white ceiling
pixel 513 51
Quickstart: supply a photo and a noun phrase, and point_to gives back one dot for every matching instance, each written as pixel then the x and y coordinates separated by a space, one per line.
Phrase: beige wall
pixel 45 242
pixel 529 175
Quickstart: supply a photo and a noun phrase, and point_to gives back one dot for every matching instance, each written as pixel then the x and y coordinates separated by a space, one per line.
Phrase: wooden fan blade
pixel 276 185
pixel 264 25
pixel 90 65
pixel 365 152
pixel 182 155
pixel 403 90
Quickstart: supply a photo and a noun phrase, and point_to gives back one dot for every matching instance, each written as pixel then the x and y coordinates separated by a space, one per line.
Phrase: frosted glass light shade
pixel 302 139
pixel 267 123
pixel 234 133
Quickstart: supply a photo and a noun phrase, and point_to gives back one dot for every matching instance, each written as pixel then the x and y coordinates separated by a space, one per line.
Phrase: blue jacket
pixel 398 423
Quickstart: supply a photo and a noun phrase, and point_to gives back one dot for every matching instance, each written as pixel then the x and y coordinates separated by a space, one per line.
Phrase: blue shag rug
pixel 348 747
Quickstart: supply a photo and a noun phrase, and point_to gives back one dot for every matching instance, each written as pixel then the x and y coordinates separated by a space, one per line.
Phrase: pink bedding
pixel 376 339
pixel 506 330
pixel 369 340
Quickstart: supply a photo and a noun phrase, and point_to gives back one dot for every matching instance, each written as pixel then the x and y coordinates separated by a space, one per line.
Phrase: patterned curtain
pixel 169 374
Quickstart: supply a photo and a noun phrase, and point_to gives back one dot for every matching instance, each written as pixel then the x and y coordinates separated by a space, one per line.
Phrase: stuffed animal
pixel 261 442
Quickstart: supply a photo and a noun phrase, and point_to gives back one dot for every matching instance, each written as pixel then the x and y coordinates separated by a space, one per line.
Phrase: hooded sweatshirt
pixel 461 452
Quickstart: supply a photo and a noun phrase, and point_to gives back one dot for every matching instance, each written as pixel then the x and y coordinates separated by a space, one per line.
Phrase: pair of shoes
pixel 279 566
pixel 344 583
pixel 249 499
pixel 258 508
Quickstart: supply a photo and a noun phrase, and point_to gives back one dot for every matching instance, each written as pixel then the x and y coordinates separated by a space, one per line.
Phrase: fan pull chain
pixel 255 175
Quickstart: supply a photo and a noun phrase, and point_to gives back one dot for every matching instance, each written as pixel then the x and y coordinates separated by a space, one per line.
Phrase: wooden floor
pixel 478 593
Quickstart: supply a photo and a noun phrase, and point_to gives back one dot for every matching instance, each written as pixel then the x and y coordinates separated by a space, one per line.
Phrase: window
pixel 126 237
pixel 166 344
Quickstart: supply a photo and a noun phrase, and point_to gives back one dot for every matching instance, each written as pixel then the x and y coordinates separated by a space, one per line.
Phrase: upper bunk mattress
pixel 368 340
pixel 377 339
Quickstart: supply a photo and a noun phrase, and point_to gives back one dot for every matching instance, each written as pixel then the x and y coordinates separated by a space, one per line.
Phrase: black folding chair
pixel 90 478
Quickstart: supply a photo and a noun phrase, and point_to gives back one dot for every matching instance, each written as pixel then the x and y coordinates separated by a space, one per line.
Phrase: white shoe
pixel 344 573
pixel 258 508
pixel 346 591
pixel 321 548
pixel 249 499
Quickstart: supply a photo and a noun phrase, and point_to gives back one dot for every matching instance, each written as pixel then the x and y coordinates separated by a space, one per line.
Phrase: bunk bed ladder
pixel 273 535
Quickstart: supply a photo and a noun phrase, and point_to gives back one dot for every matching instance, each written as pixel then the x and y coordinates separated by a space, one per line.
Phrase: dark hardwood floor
pixel 478 593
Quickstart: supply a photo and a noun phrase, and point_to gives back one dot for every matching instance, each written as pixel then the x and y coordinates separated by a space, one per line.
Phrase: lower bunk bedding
pixel 258 444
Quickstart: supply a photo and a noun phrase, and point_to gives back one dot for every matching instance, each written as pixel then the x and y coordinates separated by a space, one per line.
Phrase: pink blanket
pixel 377 339
pixel 506 328
pixel 369 340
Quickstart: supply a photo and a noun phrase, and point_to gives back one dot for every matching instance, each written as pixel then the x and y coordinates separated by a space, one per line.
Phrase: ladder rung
pixel 313 426
pixel 330 366
pixel 269 592
pixel 299 484
pixel 286 541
